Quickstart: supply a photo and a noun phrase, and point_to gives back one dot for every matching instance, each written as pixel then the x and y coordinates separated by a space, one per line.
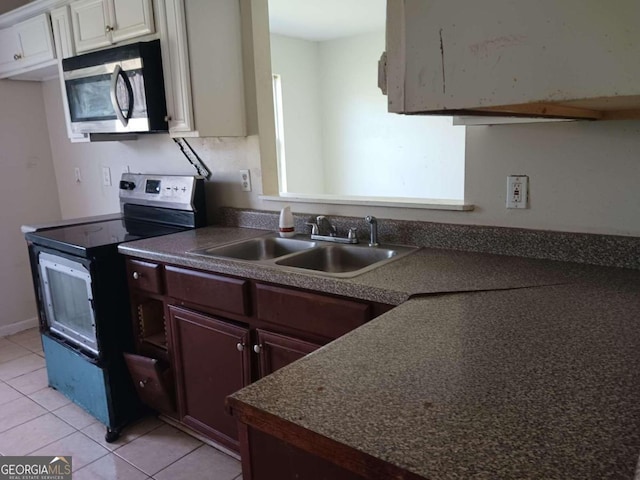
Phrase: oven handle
pixel 118 72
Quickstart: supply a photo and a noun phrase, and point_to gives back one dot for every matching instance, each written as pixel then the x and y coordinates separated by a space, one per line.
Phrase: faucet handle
pixel 352 233
pixel 314 228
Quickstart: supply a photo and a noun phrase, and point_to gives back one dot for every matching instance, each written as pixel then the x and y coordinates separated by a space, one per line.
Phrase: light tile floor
pixel 37 420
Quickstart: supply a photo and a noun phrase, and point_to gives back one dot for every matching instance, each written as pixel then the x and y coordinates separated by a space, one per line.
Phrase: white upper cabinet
pixel 202 60
pixel 100 23
pixel 25 45
pixel 550 58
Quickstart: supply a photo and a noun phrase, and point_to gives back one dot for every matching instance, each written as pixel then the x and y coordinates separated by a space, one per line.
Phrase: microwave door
pixel 117 74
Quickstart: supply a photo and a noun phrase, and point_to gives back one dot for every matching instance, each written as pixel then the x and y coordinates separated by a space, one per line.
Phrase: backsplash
pixel 605 250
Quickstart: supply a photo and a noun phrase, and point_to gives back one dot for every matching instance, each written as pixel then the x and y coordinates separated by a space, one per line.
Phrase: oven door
pixel 68 300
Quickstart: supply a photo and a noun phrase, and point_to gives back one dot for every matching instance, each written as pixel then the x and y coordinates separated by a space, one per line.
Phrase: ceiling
pixel 6 5
pixel 320 20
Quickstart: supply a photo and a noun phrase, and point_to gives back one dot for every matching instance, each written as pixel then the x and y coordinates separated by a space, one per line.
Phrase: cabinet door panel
pixel 277 351
pixel 315 314
pixel 209 290
pixel 131 18
pixel 34 38
pixel 8 48
pixel 209 367
pixel 145 276
pixel 90 19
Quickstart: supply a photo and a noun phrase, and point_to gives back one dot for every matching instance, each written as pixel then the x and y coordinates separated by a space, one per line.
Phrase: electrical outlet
pixel 106 176
pixel 245 180
pixel 517 191
pixel 76 175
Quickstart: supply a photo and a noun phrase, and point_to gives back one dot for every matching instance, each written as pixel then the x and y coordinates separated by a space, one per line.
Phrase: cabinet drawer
pixel 321 315
pixel 144 276
pixel 153 382
pixel 214 291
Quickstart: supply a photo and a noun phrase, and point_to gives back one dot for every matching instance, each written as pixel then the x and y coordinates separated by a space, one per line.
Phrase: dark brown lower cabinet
pixel 276 351
pixel 269 458
pixel 211 358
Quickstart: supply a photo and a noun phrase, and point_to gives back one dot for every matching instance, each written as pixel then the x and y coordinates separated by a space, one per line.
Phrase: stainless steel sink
pixel 297 254
pixel 335 259
pixel 257 249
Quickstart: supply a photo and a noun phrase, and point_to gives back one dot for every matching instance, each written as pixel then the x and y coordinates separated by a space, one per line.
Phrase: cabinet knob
pixel 167 118
pixel 136 275
pixel 257 348
pixel 108 28
pixel 142 383
pixel 17 56
pixel 240 346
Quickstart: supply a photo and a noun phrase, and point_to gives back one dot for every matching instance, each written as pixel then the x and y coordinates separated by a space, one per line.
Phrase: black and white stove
pixel 81 291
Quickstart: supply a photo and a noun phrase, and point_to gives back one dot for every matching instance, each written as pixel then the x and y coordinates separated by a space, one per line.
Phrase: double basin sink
pixel 302 254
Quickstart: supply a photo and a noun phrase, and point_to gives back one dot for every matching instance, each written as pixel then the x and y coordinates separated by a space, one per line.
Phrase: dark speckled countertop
pixel 538 383
pixel 492 367
pixel 428 270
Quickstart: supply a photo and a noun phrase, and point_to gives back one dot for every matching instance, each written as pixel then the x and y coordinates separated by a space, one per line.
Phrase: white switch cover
pixel 517 191
pixel 106 176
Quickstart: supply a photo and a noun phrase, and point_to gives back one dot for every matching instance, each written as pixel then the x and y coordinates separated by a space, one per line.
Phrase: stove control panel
pixel 167 191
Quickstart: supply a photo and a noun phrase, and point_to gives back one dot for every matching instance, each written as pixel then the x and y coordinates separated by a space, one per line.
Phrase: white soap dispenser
pixel 285 227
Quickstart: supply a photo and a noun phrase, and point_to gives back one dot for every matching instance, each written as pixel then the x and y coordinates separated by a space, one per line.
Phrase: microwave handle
pixel 117 72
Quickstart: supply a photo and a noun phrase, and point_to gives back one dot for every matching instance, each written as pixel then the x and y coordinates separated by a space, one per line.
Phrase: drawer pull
pixel 257 348
pixel 142 383
pixel 136 275
pixel 108 28
pixel 240 346
pixel 17 56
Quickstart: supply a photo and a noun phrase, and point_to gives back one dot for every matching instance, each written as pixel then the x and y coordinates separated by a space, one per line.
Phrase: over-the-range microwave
pixel 117 90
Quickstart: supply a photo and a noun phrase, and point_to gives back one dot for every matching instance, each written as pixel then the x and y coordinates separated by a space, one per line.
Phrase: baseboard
pixel 18 326
pixel 203 439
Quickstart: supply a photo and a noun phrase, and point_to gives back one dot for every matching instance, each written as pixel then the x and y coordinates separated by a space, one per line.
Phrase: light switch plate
pixel 517 191
pixel 106 176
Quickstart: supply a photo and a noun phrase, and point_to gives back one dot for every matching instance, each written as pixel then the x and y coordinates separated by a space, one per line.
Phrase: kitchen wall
pixel 28 195
pixel 297 63
pixel 336 124
pixel 155 153
pixel 583 175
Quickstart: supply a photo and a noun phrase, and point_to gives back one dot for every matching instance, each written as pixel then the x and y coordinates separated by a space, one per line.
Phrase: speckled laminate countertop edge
pixel 446 387
pixel 426 271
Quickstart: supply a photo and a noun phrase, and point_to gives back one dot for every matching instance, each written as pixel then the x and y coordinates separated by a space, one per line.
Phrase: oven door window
pixel 66 287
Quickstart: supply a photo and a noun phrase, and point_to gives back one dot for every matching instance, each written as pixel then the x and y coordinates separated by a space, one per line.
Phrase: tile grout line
pixel 202 444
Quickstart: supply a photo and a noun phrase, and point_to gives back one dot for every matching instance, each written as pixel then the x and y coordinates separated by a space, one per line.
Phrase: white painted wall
pixel 336 124
pixel 297 62
pixel 155 153
pixel 584 175
pixel 370 152
pixel 28 194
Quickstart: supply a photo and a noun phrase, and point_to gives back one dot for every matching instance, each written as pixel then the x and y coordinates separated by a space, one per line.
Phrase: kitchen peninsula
pixel 490 367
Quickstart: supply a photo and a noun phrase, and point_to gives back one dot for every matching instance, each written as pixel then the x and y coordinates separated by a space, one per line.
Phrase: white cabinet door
pixel 9 49
pixel 35 40
pixel 130 19
pixel 91 27
pixel 573 58
pixel 62 33
pixel 100 23
pixel 26 44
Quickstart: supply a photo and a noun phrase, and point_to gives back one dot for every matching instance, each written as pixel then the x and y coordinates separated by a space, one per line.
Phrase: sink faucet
pixel 373 224
pixel 323 229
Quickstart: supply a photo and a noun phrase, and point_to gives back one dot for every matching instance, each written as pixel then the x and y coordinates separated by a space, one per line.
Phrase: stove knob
pixel 124 185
